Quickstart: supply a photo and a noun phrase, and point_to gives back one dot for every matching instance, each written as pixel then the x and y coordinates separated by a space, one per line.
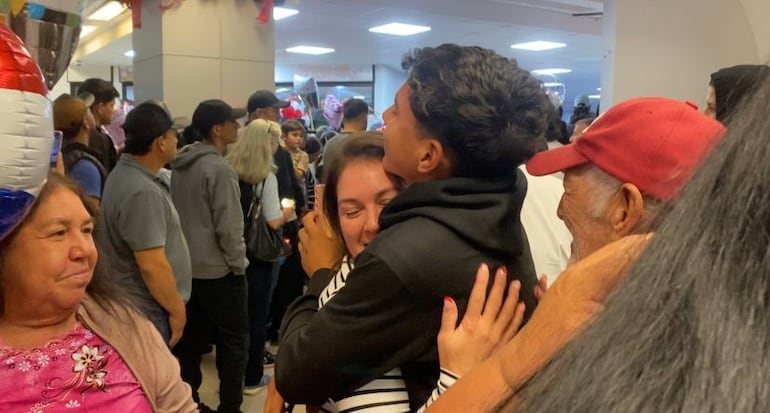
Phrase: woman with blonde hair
pixel 252 159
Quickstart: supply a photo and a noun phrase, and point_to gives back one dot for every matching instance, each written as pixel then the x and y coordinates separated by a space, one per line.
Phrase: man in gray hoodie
pixel 205 189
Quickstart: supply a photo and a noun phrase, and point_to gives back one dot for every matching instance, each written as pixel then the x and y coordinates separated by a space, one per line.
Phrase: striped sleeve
pixel 445 380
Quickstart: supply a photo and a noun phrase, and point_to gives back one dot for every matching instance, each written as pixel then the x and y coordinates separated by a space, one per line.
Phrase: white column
pixel 670 47
pixel 201 50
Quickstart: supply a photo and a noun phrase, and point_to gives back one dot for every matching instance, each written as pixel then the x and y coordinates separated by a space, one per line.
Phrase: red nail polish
pixel 448 300
pixel 504 270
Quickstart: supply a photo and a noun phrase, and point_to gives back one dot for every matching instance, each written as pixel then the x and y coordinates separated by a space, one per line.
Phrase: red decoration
pixel 290 112
pixel 265 11
pixel 17 69
pixel 136 12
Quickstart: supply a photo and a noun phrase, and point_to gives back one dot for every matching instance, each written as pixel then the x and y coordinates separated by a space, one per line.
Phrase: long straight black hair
pixel 689 330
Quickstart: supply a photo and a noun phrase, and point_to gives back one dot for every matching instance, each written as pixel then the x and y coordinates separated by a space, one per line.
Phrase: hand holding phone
pixel 56 148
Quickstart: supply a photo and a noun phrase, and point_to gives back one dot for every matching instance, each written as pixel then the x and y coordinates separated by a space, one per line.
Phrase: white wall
pixel 203 50
pixel 338 73
pixel 669 48
pixel 757 13
pixel 387 80
pixel 79 74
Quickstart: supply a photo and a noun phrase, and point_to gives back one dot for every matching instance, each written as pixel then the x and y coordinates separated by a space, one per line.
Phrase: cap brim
pixel 238 113
pixel 281 104
pixel 555 160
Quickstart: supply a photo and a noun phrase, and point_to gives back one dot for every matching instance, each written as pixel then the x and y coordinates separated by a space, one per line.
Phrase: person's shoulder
pixel 86 166
pixel 410 236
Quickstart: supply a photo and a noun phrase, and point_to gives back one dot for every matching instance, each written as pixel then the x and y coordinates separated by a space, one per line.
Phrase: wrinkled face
pixel 579 129
pixel 52 259
pixel 588 223
pixel 404 139
pixel 293 139
pixel 711 103
pixel 363 190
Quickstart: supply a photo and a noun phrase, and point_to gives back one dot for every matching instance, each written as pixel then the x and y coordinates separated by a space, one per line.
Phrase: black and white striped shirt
pixel 386 394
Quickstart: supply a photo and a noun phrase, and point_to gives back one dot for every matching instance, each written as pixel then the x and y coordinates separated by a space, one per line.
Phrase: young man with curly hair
pixel 463 122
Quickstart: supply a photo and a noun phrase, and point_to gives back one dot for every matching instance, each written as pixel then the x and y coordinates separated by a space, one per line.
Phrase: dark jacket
pixel 102 145
pixel 288 184
pixel 432 238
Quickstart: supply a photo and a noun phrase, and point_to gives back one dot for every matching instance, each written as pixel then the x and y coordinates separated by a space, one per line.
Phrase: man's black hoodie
pixel 432 238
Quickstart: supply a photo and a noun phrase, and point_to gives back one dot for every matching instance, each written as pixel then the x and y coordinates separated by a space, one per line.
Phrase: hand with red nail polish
pixel 489 322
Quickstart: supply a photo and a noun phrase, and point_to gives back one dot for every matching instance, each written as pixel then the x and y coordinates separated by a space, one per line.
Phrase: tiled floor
pixel 209 390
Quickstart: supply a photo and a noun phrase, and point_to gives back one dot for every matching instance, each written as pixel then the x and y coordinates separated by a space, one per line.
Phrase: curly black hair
pixel 488 113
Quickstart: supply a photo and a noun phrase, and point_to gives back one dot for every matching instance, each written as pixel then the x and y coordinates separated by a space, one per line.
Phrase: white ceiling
pixel 497 24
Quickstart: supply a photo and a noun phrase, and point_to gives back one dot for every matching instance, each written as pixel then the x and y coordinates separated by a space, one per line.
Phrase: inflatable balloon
pixel 49 28
pixel 333 111
pixel 26 132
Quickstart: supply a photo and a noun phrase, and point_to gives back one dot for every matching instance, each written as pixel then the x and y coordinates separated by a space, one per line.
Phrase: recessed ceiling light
pixel 282 13
pixel 594 96
pixel 85 30
pixel 553 84
pixel 538 46
pixel 599 89
pixel 310 50
pixel 399 29
pixel 129 53
pixel 108 11
pixel 554 71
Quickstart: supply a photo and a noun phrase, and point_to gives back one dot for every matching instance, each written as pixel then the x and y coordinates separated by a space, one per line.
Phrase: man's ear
pixel 627 210
pixel 433 159
pixel 216 130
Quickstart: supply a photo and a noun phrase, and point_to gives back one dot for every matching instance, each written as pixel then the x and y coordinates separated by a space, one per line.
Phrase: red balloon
pixel 17 69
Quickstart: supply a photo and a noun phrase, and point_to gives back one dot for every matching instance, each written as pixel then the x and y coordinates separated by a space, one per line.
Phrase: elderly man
pixel 618 176
pixel 626 167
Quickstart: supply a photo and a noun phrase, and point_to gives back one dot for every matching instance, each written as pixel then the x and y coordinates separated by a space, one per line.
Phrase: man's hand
pixel 176 322
pixel 274 403
pixel 568 306
pixel 319 246
pixel 488 323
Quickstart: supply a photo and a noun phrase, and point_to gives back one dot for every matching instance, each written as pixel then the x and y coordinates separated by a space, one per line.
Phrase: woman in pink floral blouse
pixel 69 340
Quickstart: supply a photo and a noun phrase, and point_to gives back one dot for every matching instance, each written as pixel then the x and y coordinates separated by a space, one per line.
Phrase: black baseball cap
pixel 214 112
pixel 265 99
pixel 144 124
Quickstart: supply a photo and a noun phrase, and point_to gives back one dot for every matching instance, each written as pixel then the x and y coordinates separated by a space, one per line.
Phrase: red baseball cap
pixel 653 143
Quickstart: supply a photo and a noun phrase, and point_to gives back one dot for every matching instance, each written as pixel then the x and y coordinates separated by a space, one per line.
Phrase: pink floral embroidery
pixel 77 372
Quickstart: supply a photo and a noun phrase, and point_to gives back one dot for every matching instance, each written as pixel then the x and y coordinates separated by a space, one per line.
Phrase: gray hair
pixel 603 187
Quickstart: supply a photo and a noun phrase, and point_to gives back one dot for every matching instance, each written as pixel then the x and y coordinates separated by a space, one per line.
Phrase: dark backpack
pixel 73 152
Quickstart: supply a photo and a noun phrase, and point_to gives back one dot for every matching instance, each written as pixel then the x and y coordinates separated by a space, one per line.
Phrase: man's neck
pixel 82 137
pixel 149 161
pixel 353 126
pixel 219 145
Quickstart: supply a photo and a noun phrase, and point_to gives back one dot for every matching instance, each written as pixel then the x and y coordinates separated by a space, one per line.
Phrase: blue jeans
pixel 159 318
